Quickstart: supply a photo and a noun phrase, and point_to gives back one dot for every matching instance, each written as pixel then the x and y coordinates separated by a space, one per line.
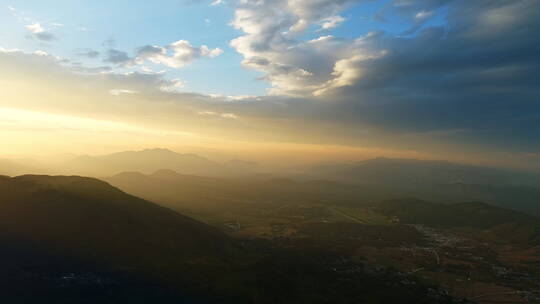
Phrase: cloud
pixel 218 115
pixel 459 83
pixel 176 55
pixel 271 42
pixel 41 53
pixel 423 14
pixel 332 22
pixel 80 69
pixel 118 92
pixel 173 85
pixel 35 28
pixel 39 32
pixel 118 57
pixel 89 53
pixel 217 2
pixel 456 84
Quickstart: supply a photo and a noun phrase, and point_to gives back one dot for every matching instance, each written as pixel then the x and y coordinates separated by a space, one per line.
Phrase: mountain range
pixel 380 178
pixel 411 173
pixel 186 192
pixel 148 160
pixel 71 239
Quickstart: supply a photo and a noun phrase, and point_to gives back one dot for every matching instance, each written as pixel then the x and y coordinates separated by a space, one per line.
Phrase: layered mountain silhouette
pixel 441 181
pixel 412 172
pixel 148 160
pixel 181 191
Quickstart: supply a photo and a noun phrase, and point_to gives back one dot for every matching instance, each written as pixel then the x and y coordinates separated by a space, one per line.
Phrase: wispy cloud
pixel 39 32
pixel 218 115
pixel 118 92
pixel 217 2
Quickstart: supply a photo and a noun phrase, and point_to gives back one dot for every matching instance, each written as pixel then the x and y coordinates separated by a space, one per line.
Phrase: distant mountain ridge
pixel 198 195
pixel 150 160
pixel 411 172
pixel 11 168
pixel 170 186
pixel 441 181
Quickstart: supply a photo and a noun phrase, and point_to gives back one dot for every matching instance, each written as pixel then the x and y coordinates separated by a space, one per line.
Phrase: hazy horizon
pixel 278 161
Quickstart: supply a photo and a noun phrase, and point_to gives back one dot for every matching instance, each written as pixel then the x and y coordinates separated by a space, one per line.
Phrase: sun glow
pixel 25 130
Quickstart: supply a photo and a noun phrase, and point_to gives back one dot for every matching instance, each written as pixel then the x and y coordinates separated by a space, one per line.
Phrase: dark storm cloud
pixel 477 74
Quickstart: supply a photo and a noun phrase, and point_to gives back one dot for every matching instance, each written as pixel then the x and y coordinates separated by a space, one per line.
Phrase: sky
pixel 302 79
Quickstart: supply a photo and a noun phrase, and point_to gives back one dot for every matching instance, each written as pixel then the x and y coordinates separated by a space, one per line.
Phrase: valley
pixel 471 250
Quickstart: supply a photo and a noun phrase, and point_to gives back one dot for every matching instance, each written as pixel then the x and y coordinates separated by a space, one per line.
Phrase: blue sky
pixel 131 24
pixel 128 25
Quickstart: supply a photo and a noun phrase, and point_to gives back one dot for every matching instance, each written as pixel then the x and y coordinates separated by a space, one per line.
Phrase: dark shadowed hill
pixel 78 212
pixel 90 222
